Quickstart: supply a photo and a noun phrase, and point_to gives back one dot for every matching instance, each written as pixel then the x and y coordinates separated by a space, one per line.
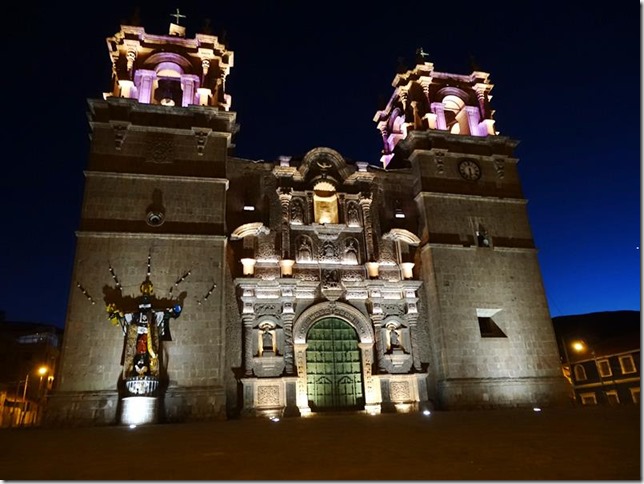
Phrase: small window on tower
pixel 489 329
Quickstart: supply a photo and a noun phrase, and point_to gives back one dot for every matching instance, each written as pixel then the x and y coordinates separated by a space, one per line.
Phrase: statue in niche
pixel 394 339
pixel 351 252
pixel 267 340
pixel 297 214
pixel 304 250
pixel 353 218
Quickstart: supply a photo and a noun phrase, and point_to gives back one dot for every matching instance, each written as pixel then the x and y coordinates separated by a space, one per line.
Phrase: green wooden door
pixel 333 369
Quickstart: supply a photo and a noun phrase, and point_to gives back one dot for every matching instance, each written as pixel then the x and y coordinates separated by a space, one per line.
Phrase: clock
pixel 469 170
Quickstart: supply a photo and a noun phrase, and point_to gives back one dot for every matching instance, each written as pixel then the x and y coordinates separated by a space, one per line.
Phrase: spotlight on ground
pixel 536 409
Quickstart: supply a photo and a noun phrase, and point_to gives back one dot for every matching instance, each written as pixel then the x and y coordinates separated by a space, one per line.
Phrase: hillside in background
pixel 605 332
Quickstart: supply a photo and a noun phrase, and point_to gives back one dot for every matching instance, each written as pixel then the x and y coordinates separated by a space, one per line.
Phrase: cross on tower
pixel 177 16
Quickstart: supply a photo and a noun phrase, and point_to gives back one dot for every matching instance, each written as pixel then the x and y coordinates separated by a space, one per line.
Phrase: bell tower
pixel 491 339
pixel 155 190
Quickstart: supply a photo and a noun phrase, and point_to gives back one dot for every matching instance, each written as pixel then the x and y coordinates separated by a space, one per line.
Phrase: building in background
pixel 600 354
pixel 209 286
pixel 29 355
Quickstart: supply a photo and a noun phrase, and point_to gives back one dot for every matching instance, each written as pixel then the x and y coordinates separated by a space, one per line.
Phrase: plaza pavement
pixel 597 443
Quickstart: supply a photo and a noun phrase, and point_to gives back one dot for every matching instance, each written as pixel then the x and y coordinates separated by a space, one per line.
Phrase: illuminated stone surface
pixel 324 242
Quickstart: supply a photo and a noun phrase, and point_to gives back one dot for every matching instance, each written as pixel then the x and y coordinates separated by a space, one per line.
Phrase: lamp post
pixel 568 364
pixel 42 371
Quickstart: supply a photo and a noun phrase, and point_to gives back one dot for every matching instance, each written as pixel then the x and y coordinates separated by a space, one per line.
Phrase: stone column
pixel 482 99
pixel 188 83
pixel 365 204
pixel 131 54
pixel 473 119
pixel 376 320
pixel 412 320
pixel 288 314
pixel 342 213
pixel 300 361
pixel 373 396
pixel 439 110
pixel 285 195
pixel 384 132
pixel 144 80
pixel 403 99
pixel 248 321
pixel 205 65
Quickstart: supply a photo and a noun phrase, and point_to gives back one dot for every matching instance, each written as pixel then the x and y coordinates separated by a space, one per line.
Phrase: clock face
pixel 469 170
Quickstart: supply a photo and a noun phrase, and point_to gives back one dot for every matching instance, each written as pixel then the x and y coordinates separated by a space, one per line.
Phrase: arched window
pixel 580 373
pixel 168 91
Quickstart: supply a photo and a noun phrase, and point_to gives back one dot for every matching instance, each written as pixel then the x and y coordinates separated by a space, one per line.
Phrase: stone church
pixel 207 286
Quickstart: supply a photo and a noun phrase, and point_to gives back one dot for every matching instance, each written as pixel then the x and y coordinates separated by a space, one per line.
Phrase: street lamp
pixel 42 371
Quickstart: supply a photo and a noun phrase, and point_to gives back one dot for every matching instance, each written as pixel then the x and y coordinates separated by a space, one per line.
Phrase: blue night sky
pixel 308 74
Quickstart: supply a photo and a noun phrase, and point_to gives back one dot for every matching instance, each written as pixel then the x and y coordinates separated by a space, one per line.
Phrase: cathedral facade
pixel 207 286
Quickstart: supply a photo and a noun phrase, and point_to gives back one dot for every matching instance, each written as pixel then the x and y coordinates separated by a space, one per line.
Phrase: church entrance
pixel 333 367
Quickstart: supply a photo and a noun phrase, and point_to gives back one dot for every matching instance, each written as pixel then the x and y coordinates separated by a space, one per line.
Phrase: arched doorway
pixel 333 366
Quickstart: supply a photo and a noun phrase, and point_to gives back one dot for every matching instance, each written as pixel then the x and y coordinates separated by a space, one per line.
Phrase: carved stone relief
pixel 328 252
pixel 297 212
pixel 266 247
pixel 160 147
pixel 330 279
pixel 387 251
pixel 268 395
pixel 353 275
pixel 400 391
pixel 393 309
pixel 307 275
pixel 499 166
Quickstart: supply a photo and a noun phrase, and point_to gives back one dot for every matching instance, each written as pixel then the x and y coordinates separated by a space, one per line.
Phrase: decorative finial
pixel 177 16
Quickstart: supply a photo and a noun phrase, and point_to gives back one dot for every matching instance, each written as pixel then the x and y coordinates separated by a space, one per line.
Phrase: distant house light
pixel 249 208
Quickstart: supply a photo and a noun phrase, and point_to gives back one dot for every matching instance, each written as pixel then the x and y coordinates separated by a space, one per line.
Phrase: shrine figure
pixel 143 331
pixel 351 252
pixel 394 338
pixel 267 341
pixel 297 214
pixel 353 218
pixel 304 250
